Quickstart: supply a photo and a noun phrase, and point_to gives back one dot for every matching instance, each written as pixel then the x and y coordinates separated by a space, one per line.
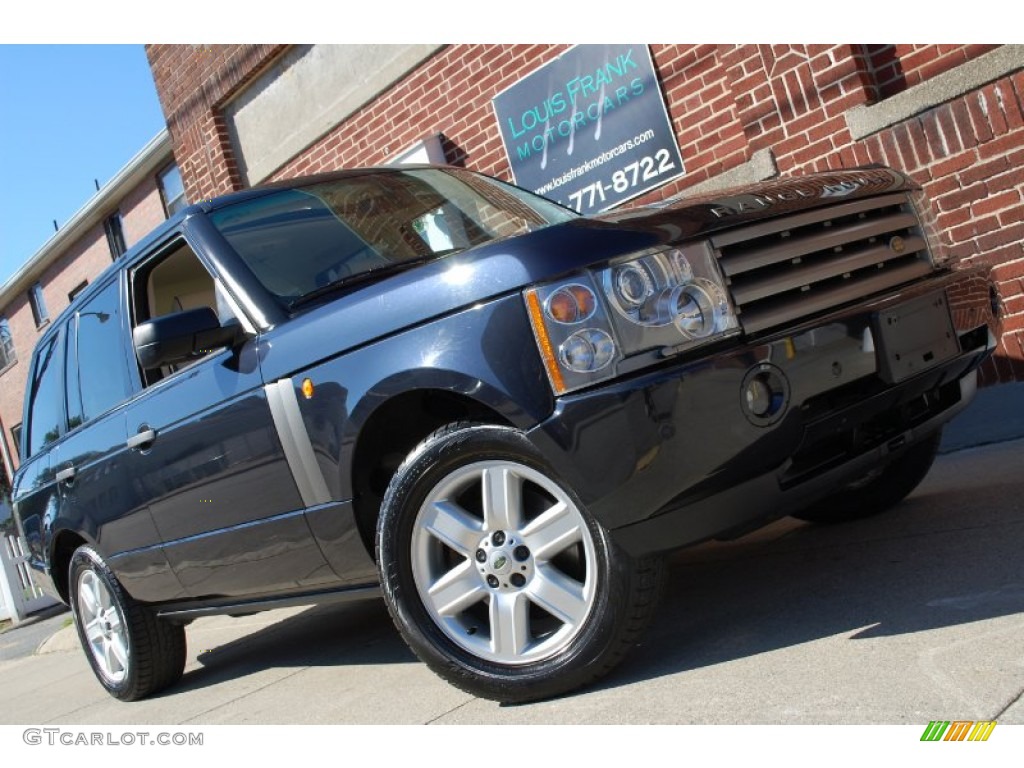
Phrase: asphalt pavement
pixel 904 618
pixel 25 638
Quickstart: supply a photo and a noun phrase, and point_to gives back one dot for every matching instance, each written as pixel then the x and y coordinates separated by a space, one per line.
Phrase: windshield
pixel 298 241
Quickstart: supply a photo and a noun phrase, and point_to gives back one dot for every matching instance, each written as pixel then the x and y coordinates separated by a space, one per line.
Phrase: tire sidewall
pixel 429 465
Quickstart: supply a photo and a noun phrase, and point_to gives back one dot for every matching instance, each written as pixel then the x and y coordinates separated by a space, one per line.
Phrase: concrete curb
pixel 64 640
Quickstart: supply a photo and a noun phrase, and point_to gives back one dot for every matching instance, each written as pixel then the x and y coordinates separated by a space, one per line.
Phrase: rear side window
pixel 46 401
pixel 97 371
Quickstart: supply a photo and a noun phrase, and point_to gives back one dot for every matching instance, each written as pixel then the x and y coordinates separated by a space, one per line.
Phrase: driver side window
pixel 176 281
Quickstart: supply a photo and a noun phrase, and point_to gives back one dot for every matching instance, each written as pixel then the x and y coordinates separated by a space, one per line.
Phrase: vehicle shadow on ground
pixel 347 634
pixel 948 555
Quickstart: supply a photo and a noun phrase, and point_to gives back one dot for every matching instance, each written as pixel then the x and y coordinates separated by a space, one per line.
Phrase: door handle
pixel 66 475
pixel 142 440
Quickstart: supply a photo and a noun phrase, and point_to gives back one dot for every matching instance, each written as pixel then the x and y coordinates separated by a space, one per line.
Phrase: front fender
pixel 486 353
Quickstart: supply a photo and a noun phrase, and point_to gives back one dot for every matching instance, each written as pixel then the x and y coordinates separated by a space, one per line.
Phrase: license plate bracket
pixel 914 337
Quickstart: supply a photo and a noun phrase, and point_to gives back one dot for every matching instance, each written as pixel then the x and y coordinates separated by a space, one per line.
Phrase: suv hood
pixel 480 274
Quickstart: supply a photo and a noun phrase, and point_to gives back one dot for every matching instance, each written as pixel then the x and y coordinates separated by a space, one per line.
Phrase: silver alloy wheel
pixel 504 562
pixel 103 626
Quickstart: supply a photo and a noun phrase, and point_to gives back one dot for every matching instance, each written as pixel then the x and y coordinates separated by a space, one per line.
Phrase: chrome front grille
pixel 788 268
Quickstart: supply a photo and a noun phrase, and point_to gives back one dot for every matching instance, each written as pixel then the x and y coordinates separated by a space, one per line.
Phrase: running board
pixel 195 610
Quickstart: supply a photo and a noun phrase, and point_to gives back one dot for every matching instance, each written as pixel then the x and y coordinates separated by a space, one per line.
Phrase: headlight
pixel 589 325
pixel 587 351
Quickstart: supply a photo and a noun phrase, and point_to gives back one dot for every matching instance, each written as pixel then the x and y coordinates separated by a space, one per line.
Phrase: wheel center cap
pixel 501 562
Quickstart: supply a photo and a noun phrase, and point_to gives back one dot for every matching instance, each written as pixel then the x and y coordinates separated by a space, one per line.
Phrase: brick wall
pixel 141 211
pixel 194 82
pixel 725 103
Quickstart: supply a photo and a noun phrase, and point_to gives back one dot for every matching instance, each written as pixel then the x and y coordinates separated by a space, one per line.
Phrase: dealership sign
pixel 589 129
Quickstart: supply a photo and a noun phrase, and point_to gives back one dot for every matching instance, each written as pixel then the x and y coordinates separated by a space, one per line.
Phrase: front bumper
pixel 671 457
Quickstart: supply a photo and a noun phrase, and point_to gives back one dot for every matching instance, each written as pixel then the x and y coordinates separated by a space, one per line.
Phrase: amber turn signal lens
pixel 547 352
pixel 307 388
pixel 571 304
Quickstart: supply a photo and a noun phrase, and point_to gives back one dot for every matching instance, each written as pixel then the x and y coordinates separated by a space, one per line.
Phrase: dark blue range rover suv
pixel 432 384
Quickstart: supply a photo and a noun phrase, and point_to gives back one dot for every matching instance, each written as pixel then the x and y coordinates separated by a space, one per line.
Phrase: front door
pixel 207 459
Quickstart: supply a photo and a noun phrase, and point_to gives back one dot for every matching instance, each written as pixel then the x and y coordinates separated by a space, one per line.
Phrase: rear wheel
pixel 496 574
pixel 132 652
pixel 880 489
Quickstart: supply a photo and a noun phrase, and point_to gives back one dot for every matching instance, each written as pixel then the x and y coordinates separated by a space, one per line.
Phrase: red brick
pixel 1013 324
pixel 1009 101
pixel 1000 146
pixel 1011 216
pixel 982 171
pixel 954 217
pixel 1014 304
pixel 941 64
pixel 995 203
pixel 861 153
pixel 1002 236
pixel 908 158
pixel 1009 180
pixel 1012 272
pixel 965 127
pixel 962 197
pixel 947 126
pixel 973 228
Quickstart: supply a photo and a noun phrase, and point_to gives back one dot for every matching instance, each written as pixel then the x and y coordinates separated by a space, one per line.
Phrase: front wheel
pixel 496 574
pixel 131 651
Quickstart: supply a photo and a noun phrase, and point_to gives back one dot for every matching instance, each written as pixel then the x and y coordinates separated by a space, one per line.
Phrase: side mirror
pixel 181 336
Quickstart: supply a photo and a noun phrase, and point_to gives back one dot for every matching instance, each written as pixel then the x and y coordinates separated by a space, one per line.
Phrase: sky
pixel 69 115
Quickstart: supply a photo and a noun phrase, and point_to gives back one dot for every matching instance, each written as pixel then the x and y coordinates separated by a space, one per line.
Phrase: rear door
pixel 92 462
pixel 35 495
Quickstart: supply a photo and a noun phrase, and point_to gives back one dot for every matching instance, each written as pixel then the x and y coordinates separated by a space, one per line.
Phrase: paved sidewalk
pixel 995 416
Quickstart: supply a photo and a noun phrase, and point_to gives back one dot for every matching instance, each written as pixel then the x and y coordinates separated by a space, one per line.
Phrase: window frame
pixel 75 292
pixel 171 206
pixel 113 228
pixel 8 352
pixel 16 439
pixel 72 351
pixel 57 337
pixel 37 302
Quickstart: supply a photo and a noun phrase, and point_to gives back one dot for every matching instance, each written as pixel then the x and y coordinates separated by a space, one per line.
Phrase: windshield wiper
pixel 360 278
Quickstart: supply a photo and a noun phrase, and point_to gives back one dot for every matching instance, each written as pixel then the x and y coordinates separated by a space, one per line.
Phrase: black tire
pixel 598 600
pixel 880 490
pixel 132 652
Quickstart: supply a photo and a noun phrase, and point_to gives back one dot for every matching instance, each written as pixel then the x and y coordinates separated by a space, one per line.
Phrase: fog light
pixel 759 396
pixel 764 395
